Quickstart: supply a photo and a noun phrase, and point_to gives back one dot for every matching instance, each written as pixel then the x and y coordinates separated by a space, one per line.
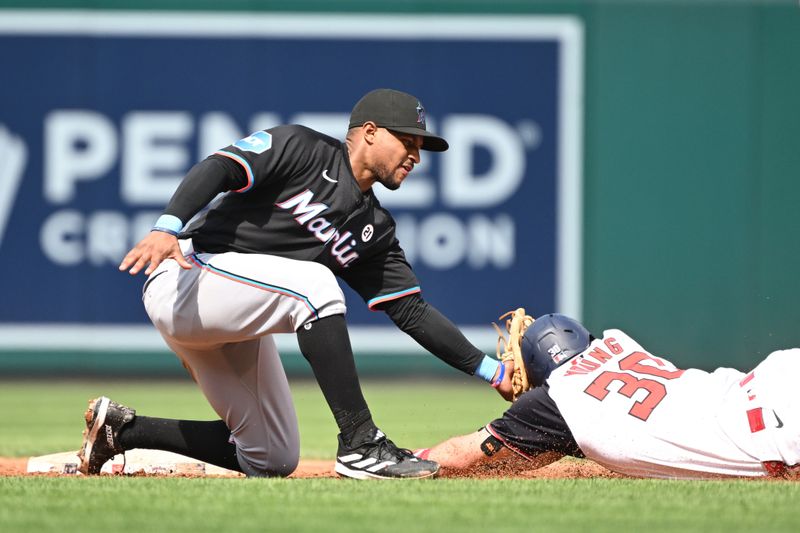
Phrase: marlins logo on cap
pixel 396 111
pixel 420 114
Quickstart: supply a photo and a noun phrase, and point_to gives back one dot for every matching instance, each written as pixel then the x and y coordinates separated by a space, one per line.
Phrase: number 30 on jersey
pixel 630 366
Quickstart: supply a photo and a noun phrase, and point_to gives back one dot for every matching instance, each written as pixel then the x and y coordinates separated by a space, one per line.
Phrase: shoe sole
pixel 342 470
pixel 90 433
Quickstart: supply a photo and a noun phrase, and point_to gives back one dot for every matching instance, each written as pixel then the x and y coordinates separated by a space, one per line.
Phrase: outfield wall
pixel 688 161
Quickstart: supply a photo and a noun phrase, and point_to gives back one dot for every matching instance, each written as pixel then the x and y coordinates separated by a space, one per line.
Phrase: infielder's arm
pixel 239 167
pixel 203 182
pixel 434 332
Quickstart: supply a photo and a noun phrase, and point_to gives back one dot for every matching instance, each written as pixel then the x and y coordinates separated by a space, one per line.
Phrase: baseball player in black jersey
pixel 250 245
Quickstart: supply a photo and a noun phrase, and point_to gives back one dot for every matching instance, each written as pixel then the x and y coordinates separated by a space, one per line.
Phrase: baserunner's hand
pixel 153 249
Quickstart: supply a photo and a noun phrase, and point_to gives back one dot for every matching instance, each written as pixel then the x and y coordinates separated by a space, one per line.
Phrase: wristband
pixel 168 224
pixel 500 376
pixel 487 369
pixel 164 230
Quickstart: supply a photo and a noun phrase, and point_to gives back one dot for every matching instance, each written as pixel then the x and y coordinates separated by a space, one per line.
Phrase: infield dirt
pixel 17 466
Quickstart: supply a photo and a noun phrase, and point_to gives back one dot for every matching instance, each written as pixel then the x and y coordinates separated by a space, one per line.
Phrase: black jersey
pixel 533 425
pixel 290 191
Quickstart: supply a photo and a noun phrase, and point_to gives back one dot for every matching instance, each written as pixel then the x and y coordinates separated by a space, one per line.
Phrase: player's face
pixel 396 155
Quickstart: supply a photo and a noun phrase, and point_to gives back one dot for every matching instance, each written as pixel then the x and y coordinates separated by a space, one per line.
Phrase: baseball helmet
pixel 551 341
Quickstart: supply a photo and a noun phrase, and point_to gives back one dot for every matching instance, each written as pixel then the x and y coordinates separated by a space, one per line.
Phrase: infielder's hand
pixel 506 389
pixel 153 249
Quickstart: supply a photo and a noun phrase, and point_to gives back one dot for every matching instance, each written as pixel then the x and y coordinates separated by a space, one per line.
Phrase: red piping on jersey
pixel 244 164
pixel 747 379
pixel 393 296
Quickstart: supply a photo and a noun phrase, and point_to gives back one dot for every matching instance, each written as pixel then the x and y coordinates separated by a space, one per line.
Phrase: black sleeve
pixel 533 424
pixel 384 277
pixel 434 332
pixel 258 159
pixel 204 181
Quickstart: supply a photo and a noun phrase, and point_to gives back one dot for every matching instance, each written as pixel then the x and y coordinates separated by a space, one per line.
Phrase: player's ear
pixel 369 131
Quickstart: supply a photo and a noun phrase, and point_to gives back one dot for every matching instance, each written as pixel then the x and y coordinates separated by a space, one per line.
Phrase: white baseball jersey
pixel 638 414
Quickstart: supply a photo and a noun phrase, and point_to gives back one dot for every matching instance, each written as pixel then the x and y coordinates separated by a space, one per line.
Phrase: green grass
pixel 45 417
pixel 37 418
pixel 142 504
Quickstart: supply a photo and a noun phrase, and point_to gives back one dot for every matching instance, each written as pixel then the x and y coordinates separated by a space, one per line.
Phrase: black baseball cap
pixel 396 111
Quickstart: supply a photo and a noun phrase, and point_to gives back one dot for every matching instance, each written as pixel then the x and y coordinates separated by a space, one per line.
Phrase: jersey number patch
pixel 656 390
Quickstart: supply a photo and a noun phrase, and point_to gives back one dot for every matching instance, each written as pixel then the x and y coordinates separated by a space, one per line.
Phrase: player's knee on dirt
pixel 277 463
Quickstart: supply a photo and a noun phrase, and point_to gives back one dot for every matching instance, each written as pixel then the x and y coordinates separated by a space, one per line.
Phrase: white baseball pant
pixel 219 318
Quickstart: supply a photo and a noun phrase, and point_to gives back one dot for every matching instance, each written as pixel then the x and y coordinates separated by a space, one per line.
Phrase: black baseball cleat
pixel 104 419
pixel 381 459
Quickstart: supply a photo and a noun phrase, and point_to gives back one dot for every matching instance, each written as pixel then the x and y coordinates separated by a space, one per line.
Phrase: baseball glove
pixel 510 350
